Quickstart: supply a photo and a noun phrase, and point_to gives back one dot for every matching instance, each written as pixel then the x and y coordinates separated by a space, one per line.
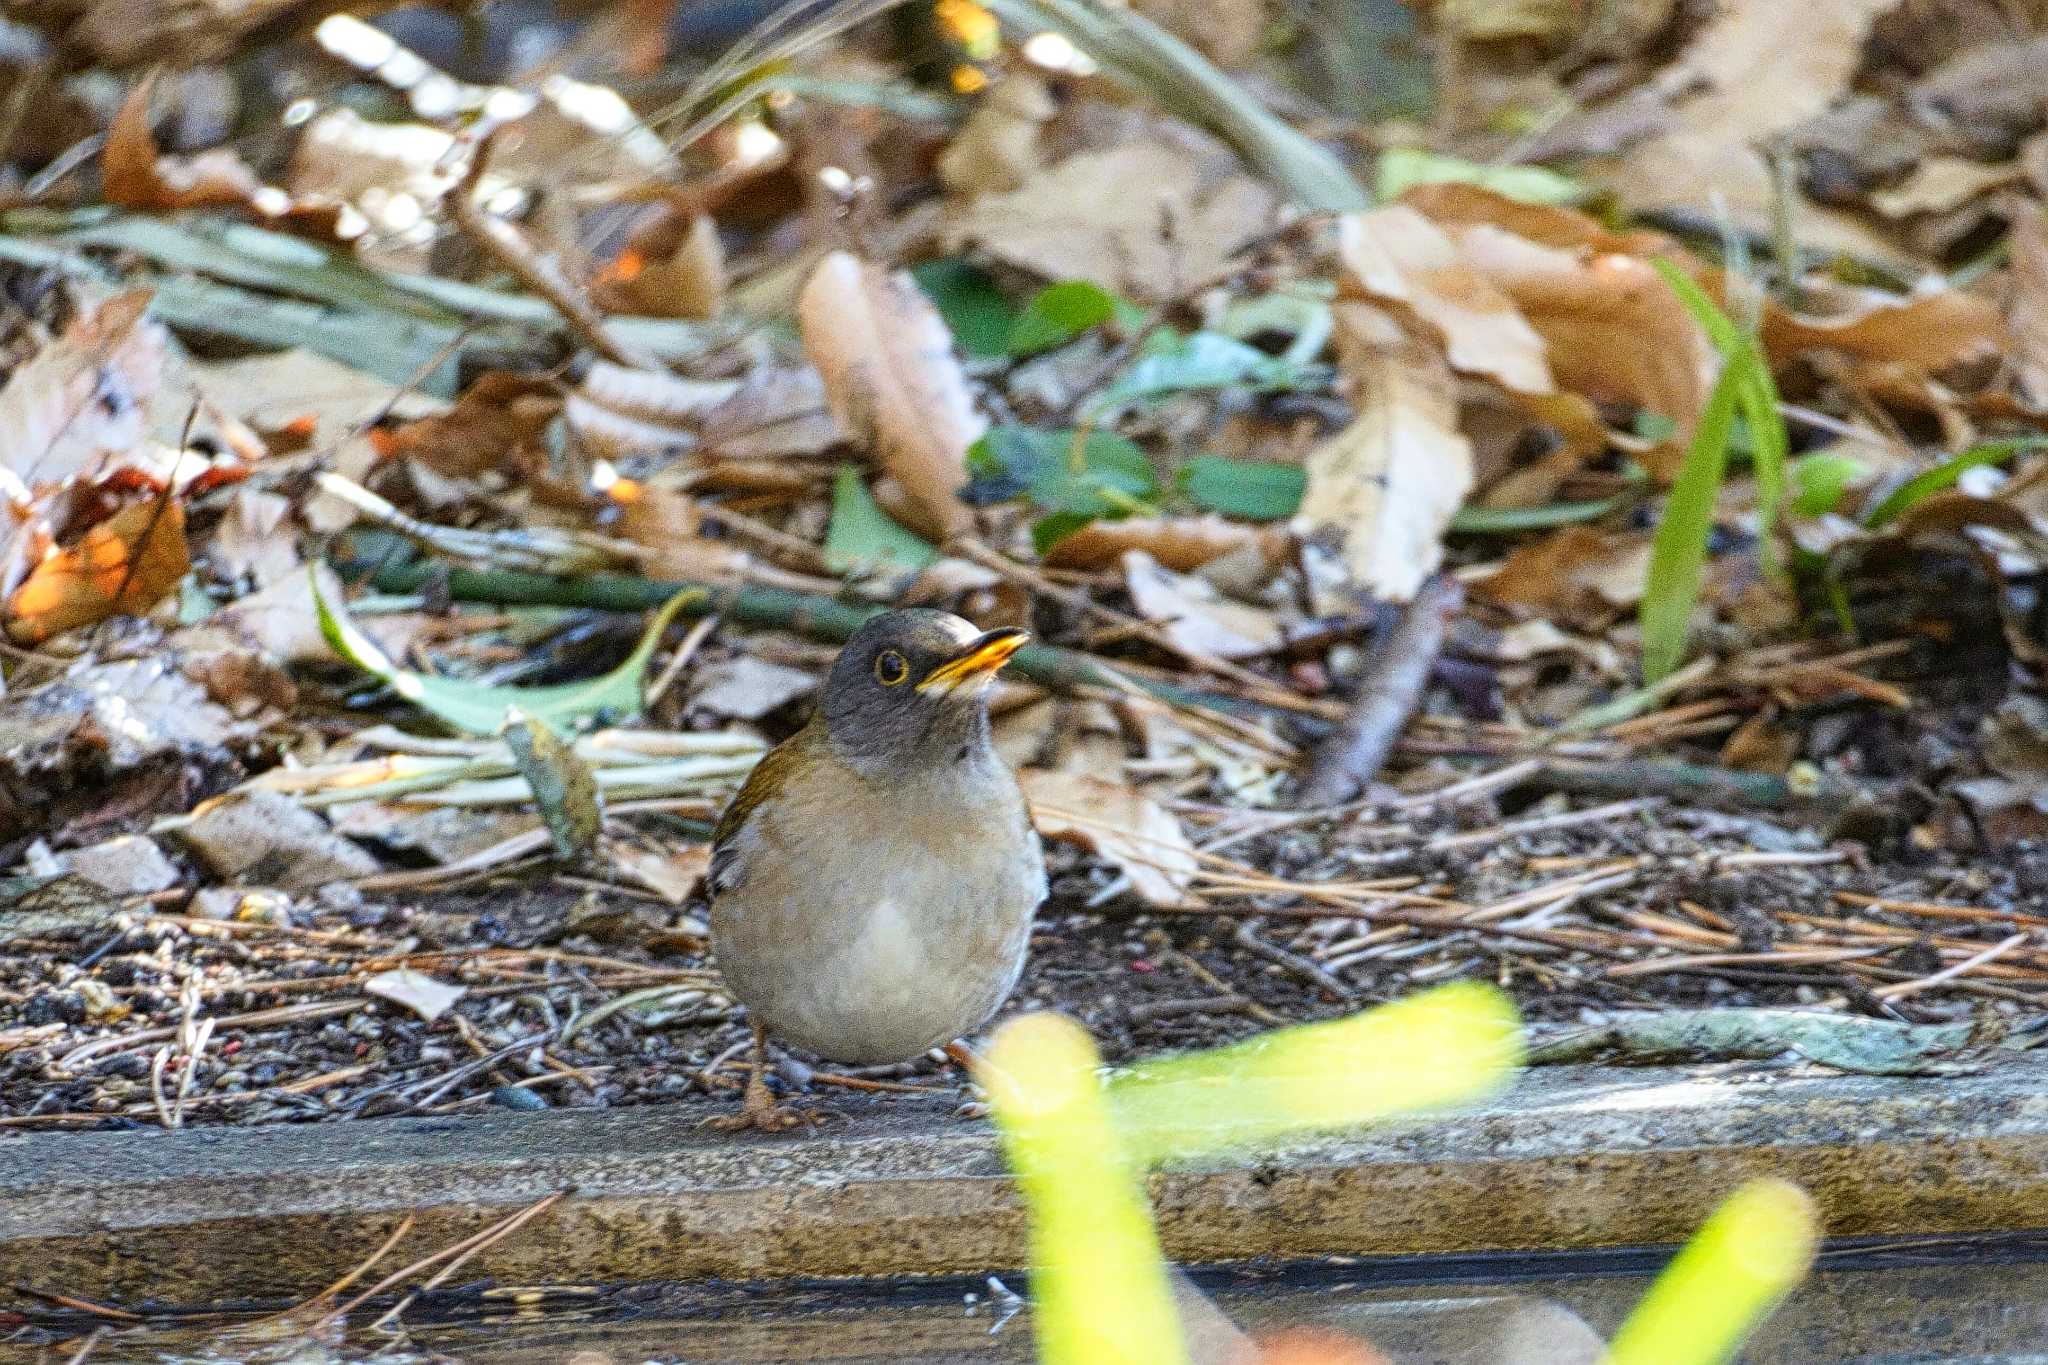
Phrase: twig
pixel 1949 973
pixel 1247 936
pixel 1151 1011
pixel 511 249
pixel 1396 672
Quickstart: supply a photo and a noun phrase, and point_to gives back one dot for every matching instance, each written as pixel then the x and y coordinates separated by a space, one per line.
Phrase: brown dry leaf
pixel 619 411
pixel 1194 615
pixel 1450 204
pixel 1577 575
pixel 82 402
pixel 297 389
pixel 892 378
pixel 1119 824
pixel 1386 487
pixel 1610 330
pixel 1760 67
pixel 996 150
pixel 668 525
pixel 1613 331
pixel 2028 312
pixel 673 874
pixel 136 175
pixel 1941 183
pixel 672 268
pixel 1399 255
pixel 778 411
pixel 1925 333
pixel 1106 217
pixel 257 539
pixel 1180 543
pixel 124 564
pixel 496 425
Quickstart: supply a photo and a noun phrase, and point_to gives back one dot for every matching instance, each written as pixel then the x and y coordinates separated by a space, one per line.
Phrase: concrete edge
pixel 1572 1157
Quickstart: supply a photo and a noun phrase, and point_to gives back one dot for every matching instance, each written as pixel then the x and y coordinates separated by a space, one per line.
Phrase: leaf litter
pixel 1638 704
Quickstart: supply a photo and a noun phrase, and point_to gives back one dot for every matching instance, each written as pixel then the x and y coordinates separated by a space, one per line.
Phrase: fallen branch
pixel 1396 672
pixel 822 618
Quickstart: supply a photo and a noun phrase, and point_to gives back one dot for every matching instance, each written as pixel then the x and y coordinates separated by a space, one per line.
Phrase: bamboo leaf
pixel 480 708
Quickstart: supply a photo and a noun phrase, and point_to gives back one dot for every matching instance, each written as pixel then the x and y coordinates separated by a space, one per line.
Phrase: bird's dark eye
pixel 890 668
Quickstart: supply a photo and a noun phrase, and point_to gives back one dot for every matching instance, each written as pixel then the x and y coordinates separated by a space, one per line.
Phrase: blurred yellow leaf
pixel 124 564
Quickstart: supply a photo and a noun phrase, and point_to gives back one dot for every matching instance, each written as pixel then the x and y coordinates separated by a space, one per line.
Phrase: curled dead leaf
pixel 672 268
pixel 1398 255
pixel 997 148
pixel 496 425
pixel 893 380
pixel 1925 333
pixel 1194 615
pixel 135 174
pixel 1180 543
pixel 1576 575
pixel 125 564
pixel 1386 487
pixel 82 403
pixel 1119 824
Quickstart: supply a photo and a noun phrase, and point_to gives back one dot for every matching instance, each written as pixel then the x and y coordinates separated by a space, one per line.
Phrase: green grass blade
pixel 1944 475
pixel 1756 397
pixel 1723 1283
pixel 1678 555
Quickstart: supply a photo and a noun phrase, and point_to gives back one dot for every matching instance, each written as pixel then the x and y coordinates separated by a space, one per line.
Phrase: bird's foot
pixel 769 1118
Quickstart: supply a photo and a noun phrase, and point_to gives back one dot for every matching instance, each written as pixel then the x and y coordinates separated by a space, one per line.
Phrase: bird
pixel 873 882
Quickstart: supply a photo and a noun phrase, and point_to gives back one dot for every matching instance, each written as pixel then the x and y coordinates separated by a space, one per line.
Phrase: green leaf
pixel 1498 521
pixel 1254 490
pixel 1944 476
pixel 1403 168
pixel 1821 481
pixel 978 315
pixel 480 708
pixel 1060 312
pixel 1099 474
pixel 1678 554
pixel 1172 363
pixel 1049 531
pixel 862 538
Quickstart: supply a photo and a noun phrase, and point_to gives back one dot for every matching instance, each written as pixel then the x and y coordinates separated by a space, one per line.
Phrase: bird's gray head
pixel 910 690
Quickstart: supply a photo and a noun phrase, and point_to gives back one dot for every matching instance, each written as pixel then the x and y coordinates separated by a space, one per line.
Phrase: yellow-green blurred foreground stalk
pixel 1098 1283
pixel 1721 1286
pixel 1099 1286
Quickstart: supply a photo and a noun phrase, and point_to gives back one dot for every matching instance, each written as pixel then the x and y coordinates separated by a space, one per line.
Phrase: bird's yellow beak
pixel 978 661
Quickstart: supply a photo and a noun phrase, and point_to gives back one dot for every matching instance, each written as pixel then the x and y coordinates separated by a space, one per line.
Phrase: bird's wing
pixel 770 775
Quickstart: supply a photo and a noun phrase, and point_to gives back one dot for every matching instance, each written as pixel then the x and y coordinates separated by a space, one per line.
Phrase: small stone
pixel 517 1097
pixel 131 865
pixel 266 837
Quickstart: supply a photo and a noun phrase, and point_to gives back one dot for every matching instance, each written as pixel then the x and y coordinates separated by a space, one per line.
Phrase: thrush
pixel 873 883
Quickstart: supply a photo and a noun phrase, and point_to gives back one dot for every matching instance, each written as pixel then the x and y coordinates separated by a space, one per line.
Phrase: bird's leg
pixel 758 1109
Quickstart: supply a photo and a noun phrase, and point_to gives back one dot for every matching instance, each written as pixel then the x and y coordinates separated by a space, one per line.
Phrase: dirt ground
pixel 1577 907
